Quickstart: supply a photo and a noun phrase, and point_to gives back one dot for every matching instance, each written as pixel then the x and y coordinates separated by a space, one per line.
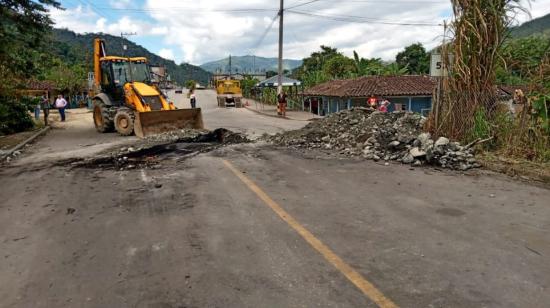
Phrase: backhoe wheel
pixel 102 117
pixel 124 121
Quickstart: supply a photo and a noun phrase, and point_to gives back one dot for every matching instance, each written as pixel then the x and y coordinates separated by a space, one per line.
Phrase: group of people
pixel 60 104
pixel 381 106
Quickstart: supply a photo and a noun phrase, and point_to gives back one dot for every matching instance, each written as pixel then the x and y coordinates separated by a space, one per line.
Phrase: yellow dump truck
pixel 229 93
pixel 129 103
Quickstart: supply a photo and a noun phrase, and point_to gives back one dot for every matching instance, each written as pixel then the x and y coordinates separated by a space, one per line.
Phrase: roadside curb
pixel 275 116
pixel 22 144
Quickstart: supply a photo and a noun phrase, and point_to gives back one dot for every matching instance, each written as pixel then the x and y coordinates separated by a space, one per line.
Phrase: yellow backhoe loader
pixel 127 101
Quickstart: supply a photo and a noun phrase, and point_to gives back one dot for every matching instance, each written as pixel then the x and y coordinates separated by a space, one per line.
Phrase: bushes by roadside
pixel 14 115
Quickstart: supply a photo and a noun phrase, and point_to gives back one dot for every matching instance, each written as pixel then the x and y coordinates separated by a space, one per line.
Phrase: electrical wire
pixel 360 19
pixel 243 10
pixel 261 40
pixel 301 4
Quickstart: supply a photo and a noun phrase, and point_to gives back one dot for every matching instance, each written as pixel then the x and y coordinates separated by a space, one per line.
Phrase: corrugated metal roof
pixel 375 86
pixel 273 82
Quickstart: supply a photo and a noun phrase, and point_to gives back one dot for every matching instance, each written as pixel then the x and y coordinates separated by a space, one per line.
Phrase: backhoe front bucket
pixel 157 122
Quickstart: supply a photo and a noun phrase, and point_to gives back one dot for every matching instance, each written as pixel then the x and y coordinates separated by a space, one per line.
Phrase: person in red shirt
pixel 371 102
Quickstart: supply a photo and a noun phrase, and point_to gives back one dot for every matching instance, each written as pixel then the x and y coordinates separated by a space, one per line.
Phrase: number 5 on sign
pixel 437 69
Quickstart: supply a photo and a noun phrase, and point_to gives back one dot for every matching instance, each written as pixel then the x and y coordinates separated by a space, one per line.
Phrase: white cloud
pixel 535 9
pixel 202 30
pixel 83 19
pixel 120 4
pixel 202 35
pixel 166 53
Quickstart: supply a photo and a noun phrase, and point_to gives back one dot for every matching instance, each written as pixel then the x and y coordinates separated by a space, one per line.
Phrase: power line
pixel 359 19
pixel 301 4
pixel 260 41
pixel 243 10
pixel 94 8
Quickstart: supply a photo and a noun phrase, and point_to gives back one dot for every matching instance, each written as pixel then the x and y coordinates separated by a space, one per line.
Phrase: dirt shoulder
pixel 522 169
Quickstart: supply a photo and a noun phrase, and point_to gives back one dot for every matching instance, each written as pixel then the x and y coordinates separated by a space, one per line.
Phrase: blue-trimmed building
pixel 407 93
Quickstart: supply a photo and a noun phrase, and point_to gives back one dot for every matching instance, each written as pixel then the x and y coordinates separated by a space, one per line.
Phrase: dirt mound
pixel 396 136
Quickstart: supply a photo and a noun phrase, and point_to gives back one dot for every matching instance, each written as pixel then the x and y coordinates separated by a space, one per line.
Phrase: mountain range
pixel 78 49
pixel 249 64
pixel 536 26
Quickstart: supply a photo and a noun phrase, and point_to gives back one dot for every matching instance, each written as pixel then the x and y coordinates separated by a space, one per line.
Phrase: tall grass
pixel 478 30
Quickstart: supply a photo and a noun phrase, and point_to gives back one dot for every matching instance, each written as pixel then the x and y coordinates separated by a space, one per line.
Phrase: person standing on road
pixel 282 103
pixel 45 106
pixel 193 100
pixel 61 104
pixel 37 109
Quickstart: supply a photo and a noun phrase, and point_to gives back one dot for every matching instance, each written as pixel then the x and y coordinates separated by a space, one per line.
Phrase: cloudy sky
pixel 198 31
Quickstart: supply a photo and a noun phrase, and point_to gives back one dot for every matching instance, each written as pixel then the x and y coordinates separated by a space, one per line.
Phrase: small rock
pixel 158 185
pixel 492 196
pixel 408 159
pixel 416 152
pixel 423 138
pixel 394 144
pixel 442 141
pixel 70 211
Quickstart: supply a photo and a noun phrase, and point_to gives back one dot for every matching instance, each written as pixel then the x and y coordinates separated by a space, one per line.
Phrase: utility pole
pixel 280 76
pixel 229 66
pixel 124 46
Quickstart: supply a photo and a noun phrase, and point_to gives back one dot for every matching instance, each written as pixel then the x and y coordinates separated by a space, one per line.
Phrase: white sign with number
pixel 437 68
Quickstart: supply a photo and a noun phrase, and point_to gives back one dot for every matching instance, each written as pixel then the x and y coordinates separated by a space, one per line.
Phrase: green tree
pixel 339 66
pixel 68 79
pixel 316 61
pixel 247 84
pixel 521 58
pixel 415 59
pixel 368 67
pixel 191 85
pixel 24 25
pixel 394 69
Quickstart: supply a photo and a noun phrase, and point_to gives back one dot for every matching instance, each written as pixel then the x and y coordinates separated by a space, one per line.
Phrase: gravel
pixel 395 136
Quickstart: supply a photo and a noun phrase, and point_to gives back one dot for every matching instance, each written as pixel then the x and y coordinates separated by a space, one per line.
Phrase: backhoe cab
pixel 128 103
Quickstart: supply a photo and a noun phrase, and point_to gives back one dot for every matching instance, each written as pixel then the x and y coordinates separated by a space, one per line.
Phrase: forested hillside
pixel 539 25
pixel 78 48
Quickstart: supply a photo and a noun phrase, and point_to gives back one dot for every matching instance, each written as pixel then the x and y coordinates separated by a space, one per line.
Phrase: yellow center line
pixel 357 279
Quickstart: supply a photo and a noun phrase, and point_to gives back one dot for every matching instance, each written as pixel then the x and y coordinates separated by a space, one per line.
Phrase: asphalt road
pixel 257 226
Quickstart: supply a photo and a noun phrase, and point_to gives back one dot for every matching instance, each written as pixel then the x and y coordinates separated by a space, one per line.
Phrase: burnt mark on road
pixel 151 154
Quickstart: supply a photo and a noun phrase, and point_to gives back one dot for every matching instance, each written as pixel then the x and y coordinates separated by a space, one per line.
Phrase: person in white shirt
pixel 61 104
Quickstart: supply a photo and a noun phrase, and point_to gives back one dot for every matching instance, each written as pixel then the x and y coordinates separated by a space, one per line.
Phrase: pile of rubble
pixel 395 136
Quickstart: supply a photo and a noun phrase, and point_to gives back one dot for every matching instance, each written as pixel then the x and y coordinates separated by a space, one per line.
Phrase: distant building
pixel 406 93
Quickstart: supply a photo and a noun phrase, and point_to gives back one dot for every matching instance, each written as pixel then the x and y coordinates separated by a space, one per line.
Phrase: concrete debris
pixel 374 135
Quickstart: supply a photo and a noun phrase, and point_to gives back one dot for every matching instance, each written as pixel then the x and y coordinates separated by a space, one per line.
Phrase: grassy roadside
pixel 521 168
pixel 9 141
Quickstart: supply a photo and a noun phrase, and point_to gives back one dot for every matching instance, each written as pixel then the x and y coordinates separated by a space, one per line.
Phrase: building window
pixel 400 107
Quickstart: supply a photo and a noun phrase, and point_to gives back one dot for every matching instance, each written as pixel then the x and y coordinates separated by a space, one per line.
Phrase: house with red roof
pixel 405 93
